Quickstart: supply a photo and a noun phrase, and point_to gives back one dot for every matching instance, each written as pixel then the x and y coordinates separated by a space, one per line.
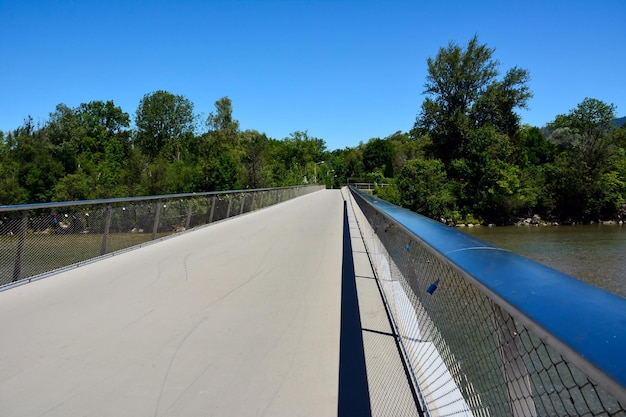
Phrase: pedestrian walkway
pixel 239 318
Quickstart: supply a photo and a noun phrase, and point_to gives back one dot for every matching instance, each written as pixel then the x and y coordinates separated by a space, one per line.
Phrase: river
pixel 592 253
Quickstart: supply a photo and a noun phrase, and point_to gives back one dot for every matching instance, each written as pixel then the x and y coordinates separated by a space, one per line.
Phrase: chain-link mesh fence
pixel 36 239
pixel 467 354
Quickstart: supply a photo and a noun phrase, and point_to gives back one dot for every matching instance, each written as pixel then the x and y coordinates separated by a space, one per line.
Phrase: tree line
pixel 91 152
pixel 467 158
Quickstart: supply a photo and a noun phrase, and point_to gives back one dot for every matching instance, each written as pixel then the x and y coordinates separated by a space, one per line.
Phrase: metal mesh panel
pixel 467 355
pixel 36 239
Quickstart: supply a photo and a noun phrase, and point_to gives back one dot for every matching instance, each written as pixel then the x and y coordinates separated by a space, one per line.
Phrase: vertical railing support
pixel 189 211
pixel 212 209
pixel 157 215
pixel 21 242
pixel 243 201
pixel 230 201
pixel 105 232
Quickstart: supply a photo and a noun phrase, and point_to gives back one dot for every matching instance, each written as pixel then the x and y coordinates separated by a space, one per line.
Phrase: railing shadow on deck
pixel 353 396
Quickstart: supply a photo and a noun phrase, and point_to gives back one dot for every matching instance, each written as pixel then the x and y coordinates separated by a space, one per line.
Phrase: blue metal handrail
pixel 585 324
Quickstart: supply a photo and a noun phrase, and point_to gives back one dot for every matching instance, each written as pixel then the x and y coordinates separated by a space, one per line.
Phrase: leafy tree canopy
pixel 464 94
pixel 163 117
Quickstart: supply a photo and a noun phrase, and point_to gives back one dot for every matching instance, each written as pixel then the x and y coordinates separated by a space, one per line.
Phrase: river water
pixel 593 253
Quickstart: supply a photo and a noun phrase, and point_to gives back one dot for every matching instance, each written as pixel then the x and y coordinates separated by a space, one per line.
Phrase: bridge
pixel 314 302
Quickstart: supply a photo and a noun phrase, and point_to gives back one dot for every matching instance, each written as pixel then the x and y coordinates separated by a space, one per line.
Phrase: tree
pixel 303 149
pixel 534 148
pixel 584 130
pixel 11 192
pixel 405 148
pixel 105 127
pixel 223 125
pixel 34 155
pixel 300 152
pixel 496 106
pixel 72 187
pixel 220 151
pixel 163 121
pixel 92 142
pixel 424 188
pixel 64 131
pixel 256 147
pixel 587 175
pixel 106 117
pixel 379 153
pixel 463 95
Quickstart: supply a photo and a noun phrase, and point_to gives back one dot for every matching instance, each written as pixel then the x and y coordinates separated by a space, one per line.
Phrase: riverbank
pixel 534 221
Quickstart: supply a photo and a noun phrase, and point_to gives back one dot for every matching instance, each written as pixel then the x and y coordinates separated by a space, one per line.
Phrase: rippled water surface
pixel 593 253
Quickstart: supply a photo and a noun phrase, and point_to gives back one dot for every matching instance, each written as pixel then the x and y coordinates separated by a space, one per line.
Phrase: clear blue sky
pixel 345 71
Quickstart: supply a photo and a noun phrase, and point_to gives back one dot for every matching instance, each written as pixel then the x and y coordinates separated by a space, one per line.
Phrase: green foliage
pixel 74 187
pixel 586 178
pixel 220 151
pixel 222 125
pixel 162 119
pixel 301 149
pixel 495 106
pixel 466 160
pixel 424 188
pixel 354 166
pixel 34 159
pixel 390 193
pixel 405 148
pixel 584 131
pixel 534 148
pixel 11 192
pixel 464 95
pixel 87 152
pixel 379 154
pixel 255 158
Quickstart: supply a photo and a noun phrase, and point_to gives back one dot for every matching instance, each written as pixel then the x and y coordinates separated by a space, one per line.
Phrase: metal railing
pixel 486 332
pixel 37 239
pixel 368 186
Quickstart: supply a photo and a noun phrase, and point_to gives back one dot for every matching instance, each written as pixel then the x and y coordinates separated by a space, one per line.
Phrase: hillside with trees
pixel 468 158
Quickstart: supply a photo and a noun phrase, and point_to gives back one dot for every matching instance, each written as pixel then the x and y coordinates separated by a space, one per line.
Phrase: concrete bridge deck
pixel 247 317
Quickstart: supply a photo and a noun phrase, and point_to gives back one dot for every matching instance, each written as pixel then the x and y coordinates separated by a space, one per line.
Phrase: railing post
pixel 513 366
pixel 252 203
pixel 189 211
pixel 230 201
pixel 212 209
pixel 157 215
pixel 243 201
pixel 21 242
pixel 105 232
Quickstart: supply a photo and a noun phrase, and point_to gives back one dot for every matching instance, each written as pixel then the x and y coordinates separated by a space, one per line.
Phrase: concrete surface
pixel 240 318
